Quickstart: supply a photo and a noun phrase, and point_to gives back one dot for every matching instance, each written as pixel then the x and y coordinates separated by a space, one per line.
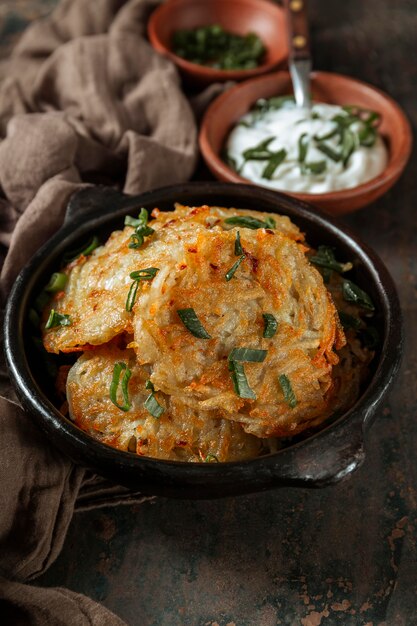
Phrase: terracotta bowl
pixel 238 16
pixel 395 129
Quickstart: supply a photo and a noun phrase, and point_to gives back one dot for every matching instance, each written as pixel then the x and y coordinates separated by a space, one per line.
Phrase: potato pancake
pixel 179 434
pixel 221 321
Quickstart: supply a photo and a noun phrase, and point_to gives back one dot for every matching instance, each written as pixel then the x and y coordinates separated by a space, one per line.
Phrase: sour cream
pixel 285 126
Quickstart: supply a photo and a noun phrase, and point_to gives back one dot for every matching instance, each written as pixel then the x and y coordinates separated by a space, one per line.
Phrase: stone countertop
pixel 342 555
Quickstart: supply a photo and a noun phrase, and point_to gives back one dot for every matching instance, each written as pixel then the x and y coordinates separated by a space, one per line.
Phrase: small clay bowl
pixel 262 17
pixel 395 129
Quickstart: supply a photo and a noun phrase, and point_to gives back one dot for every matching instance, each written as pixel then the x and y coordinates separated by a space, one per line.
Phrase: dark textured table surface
pixel 344 555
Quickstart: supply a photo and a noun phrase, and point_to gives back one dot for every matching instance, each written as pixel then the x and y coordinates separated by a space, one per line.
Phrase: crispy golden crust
pixel 194 249
pixel 95 295
pixel 276 278
pixel 179 434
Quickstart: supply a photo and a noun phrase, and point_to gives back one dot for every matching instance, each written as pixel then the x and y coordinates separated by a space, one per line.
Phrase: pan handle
pixel 89 200
pixel 326 459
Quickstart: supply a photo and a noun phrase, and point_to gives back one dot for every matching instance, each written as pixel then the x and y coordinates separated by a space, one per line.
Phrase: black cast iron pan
pixel 319 459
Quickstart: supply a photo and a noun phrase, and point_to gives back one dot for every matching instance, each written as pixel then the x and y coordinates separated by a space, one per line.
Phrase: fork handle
pixel 298 31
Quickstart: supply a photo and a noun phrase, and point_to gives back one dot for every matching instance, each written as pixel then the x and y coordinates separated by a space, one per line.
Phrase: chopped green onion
pixel 259 152
pixel 229 275
pixel 131 296
pixel 328 151
pixel 238 245
pixel 142 230
pixel 131 446
pixel 247 221
pixel 325 258
pixel 349 321
pixel 367 136
pixel 146 274
pixel 151 404
pixel 137 222
pixel 57 319
pixel 84 250
pixel 57 282
pixel 240 382
pixel 353 293
pixel 274 162
pixel 192 323
pixel 314 167
pixel 303 147
pixel 348 146
pixel 287 390
pixel 329 135
pixel 270 325
pixel 211 458
pixel 117 370
pixel 264 105
pixel 270 222
pixel 249 355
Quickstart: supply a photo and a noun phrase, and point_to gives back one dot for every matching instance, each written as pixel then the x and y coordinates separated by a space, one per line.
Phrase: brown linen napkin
pixel 84 99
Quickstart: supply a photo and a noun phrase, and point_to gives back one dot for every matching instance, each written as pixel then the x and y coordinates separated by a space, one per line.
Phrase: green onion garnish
pixel 84 250
pixel 57 319
pixel 131 296
pixel 247 221
pixel 137 222
pixel 325 258
pixel 264 105
pixel 270 222
pixel 348 146
pixel 153 407
pixel 287 390
pixel 146 274
pixel 353 293
pixel 57 282
pixel 240 382
pixel 117 370
pixel 260 152
pixel 151 404
pixel 211 458
pixel 192 323
pixel 303 147
pixel 314 167
pixel 238 245
pixel 249 355
pixel 328 135
pixel 229 275
pixel 367 136
pixel 142 230
pixel 274 162
pixel 349 321
pixel 270 325
pixel 328 151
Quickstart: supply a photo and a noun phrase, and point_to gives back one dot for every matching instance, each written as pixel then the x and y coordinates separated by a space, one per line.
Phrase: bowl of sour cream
pixel 342 154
